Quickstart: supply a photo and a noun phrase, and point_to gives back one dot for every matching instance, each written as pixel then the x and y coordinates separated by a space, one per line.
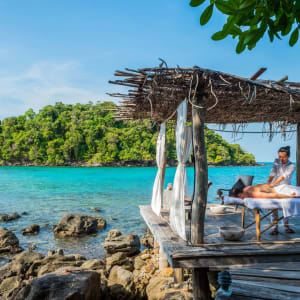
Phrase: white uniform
pixel 285 170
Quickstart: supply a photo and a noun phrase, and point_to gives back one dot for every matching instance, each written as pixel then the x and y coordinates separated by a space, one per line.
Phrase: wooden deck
pixel 272 266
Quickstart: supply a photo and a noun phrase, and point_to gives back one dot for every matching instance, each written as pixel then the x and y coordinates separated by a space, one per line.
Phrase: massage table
pixel 289 207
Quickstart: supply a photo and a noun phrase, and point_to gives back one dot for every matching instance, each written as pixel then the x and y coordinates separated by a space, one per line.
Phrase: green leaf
pixel 240 47
pixel 220 35
pixel 271 36
pixel 287 29
pixel 225 7
pixel 294 37
pixel 245 4
pixel 206 15
pixel 195 3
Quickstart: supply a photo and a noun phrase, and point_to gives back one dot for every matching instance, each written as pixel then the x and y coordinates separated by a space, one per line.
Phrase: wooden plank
pixel 257 290
pixel 267 273
pixel 201 170
pixel 280 287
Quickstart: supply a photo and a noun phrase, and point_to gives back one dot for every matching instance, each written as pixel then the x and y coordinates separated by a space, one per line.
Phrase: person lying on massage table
pixel 265 191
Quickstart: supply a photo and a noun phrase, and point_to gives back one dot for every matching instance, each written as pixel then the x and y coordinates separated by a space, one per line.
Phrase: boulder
pixel 147 239
pixel 121 284
pixel 63 285
pixel 75 225
pixel 53 263
pixel 31 230
pixel 163 288
pixel 9 243
pixel 119 259
pixel 7 218
pixel 116 242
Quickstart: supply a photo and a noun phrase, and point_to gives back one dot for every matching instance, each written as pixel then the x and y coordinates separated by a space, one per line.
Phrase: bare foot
pixel 274 231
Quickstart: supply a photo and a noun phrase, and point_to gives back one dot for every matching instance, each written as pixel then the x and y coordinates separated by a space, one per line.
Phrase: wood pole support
pixel 201 173
pixel 298 156
pixel 178 275
pixel 201 289
pixel 257 221
pixel 243 216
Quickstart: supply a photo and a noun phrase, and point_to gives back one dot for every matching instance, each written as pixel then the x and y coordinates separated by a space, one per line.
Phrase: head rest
pixel 246 179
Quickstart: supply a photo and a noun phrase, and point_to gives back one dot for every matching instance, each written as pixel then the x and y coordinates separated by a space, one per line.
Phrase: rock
pixel 32 247
pixel 23 261
pixel 7 218
pixel 31 230
pixel 24 213
pixel 63 285
pixel 163 288
pixel 8 285
pixel 9 243
pixel 93 264
pixel 147 240
pixel 95 209
pixel 52 263
pixel 116 242
pixel 77 225
pixel 57 251
pixel 138 263
pixel 119 259
pixel 120 276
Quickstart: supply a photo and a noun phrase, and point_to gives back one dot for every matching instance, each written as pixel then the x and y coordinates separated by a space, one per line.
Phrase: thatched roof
pixel 155 93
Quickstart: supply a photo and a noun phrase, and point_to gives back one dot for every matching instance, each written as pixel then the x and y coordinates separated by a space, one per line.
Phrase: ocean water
pixel 47 193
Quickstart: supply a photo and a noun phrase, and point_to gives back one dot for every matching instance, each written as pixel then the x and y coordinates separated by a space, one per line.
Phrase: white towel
pixel 233 200
pixel 261 203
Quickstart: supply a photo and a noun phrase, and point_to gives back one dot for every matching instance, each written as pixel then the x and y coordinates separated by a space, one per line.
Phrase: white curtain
pixel 183 149
pixel 157 187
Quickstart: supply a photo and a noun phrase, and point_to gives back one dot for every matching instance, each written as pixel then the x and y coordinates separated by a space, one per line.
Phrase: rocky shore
pixel 127 272
pixel 135 163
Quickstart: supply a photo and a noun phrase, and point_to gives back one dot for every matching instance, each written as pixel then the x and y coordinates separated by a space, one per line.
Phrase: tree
pixel 249 20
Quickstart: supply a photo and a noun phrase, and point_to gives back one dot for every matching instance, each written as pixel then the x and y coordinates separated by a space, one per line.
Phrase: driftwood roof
pixel 155 93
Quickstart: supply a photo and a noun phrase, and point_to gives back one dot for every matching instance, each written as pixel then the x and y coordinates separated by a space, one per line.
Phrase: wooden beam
pixel 298 156
pixel 201 173
pixel 258 73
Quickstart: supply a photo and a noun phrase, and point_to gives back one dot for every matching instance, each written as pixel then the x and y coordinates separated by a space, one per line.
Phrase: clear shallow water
pixel 47 193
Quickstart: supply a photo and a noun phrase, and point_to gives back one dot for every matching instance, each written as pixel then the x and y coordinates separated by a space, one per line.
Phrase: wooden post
pixel 298 156
pixel 243 216
pixel 178 275
pixel 201 289
pixel 200 276
pixel 257 221
pixel 201 176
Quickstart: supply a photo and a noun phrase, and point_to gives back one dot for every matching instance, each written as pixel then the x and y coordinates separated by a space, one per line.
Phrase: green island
pixel 88 134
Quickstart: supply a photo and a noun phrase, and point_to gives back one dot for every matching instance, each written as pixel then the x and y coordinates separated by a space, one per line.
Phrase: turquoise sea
pixel 47 193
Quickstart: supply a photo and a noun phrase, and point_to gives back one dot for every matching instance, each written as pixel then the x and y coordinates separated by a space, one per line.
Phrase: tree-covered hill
pixel 88 133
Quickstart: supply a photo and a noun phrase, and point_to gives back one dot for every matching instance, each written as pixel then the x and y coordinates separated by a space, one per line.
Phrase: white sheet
pixel 290 206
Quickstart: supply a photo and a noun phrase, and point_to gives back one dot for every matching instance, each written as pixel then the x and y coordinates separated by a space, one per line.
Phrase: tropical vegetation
pixel 88 133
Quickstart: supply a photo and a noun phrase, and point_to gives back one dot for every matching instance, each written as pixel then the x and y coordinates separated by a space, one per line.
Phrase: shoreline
pixel 120 164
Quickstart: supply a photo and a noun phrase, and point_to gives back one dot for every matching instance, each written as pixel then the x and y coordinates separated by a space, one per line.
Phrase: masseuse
pixel 281 173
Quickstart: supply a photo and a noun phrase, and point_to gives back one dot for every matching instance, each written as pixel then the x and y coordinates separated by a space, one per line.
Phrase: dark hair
pixel 237 188
pixel 285 149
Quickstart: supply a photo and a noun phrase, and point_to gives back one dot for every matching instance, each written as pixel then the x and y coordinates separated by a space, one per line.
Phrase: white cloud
pixel 45 83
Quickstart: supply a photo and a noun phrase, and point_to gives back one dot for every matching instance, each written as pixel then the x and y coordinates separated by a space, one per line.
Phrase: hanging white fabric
pixel 183 150
pixel 157 187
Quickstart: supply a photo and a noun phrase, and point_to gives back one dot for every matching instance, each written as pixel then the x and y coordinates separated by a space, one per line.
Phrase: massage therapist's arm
pixel 278 180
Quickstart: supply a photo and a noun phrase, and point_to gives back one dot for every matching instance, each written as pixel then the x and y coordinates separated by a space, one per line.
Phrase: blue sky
pixel 68 50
